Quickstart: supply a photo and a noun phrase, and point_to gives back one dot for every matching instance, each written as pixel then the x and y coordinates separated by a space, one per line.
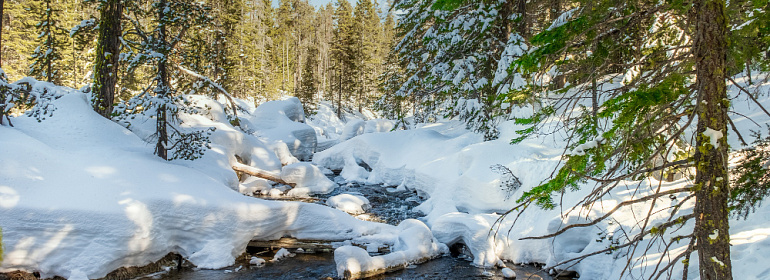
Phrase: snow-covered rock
pixel 283 121
pixel 350 203
pixel 352 129
pixel 415 244
pixel 509 273
pixel 257 261
pixel 282 254
pixel 308 179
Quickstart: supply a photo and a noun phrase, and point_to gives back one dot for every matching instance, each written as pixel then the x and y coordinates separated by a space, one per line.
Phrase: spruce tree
pixel 107 53
pixel 309 86
pixel 156 48
pixel 343 54
pixel 46 58
pixel 457 56
pixel 638 76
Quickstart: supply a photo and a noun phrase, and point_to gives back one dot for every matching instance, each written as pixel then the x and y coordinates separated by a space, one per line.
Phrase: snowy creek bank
pixel 322 266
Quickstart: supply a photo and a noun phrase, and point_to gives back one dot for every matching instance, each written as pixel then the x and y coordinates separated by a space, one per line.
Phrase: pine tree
pixel 308 88
pixel 156 48
pixel 368 38
pixel 20 36
pixel 457 55
pixel 107 53
pixel 629 69
pixel 343 54
pixel 47 56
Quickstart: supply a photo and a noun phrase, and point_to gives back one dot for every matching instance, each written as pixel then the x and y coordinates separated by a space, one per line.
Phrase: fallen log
pixel 259 173
pixel 309 246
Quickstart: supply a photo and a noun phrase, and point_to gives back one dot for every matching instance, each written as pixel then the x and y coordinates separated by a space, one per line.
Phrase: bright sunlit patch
pixel 8 197
pixel 101 171
pixel 751 236
pixel 180 199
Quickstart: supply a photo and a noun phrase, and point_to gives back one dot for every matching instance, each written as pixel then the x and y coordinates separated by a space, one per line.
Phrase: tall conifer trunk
pixel 712 227
pixel 163 87
pixel 108 48
pixel 2 4
pixel 50 42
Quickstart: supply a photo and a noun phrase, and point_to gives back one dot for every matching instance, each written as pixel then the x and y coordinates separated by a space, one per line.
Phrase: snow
pixel 81 196
pixel 281 122
pixel 714 136
pixel 308 179
pixel 451 167
pixel 415 244
pixel 352 129
pixel 282 254
pixel 257 261
pixel 509 273
pixel 349 203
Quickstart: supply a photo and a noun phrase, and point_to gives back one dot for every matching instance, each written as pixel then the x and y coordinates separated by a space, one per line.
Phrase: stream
pixel 389 206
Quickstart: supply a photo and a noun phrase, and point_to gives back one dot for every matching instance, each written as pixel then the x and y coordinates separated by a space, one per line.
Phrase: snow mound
pixel 473 231
pixel 81 196
pixel 282 121
pixel 352 204
pixel 282 254
pixel 379 125
pixel 308 179
pixel 352 129
pixel 415 244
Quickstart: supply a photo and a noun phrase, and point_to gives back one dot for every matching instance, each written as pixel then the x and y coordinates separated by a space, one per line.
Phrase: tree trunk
pixel 162 87
pixel 50 42
pixel 107 52
pixel 2 4
pixel 711 191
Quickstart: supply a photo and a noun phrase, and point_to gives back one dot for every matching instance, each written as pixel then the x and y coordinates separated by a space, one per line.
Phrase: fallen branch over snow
pixel 259 173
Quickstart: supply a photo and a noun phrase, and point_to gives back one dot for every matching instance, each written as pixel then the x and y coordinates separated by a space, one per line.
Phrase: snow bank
pixel 352 129
pixel 81 196
pixel 308 179
pixel 349 203
pixel 282 121
pixel 451 167
pixel 415 244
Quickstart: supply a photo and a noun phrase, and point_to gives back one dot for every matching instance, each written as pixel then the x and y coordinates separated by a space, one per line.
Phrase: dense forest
pixel 255 49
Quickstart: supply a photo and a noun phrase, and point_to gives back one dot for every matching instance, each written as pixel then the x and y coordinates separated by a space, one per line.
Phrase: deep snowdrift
pixel 81 196
pixel 451 166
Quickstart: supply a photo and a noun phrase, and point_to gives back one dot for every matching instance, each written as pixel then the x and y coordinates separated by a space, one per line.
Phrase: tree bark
pixel 711 191
pixel 163 86
pixel 50 42
pixel 2 4
pixel 107 52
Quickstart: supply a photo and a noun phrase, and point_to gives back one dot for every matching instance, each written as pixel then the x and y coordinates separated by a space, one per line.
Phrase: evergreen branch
pixel 609 213
pixel 671 263
pixel 750 95
pixel 636 239
pixel 732 125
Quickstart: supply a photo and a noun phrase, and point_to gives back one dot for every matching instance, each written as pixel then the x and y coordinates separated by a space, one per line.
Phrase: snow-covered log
pixel 256 172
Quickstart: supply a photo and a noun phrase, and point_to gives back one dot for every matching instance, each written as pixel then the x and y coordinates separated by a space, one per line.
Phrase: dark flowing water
pixel 321 266
pixel 388 206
